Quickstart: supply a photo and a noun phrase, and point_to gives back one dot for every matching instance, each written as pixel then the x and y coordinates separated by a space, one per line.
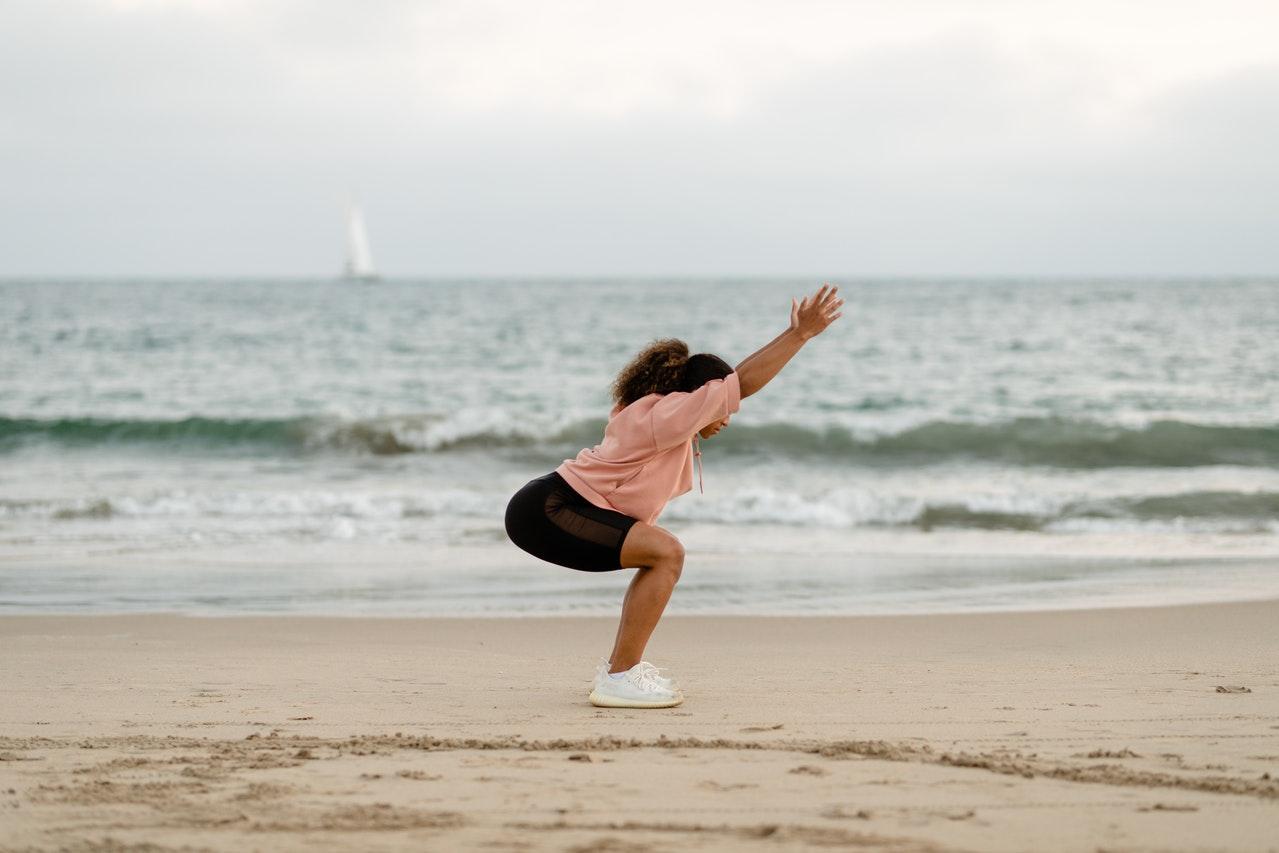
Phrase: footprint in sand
pixel 1168 807
pixel 1108 753
pixel 717 786
pixel 807 770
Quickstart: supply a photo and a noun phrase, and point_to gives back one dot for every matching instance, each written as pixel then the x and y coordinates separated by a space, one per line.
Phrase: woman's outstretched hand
pixel 811 317
pixel 807 319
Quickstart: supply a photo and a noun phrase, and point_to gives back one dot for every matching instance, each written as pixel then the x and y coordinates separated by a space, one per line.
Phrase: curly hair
pixel 665 366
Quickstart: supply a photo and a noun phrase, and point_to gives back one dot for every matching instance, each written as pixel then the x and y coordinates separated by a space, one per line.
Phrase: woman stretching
pixel 596 512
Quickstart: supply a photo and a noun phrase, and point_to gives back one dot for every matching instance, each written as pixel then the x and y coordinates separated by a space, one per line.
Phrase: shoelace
pixel 656 672
pixel 647 671
pixel 644 680
pixel 650 669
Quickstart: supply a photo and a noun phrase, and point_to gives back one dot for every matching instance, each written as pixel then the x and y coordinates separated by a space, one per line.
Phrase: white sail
pixel 359 260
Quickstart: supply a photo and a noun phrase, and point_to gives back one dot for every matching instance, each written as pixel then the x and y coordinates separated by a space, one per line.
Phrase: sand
pixel 1122 729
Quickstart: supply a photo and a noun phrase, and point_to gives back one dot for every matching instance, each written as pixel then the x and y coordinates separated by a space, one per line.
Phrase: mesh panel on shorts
pixel 577 521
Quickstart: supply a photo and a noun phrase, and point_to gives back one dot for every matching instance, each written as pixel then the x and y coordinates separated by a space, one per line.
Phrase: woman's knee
pixel 669 553
pixel 671 565
pixel 676 554
pixel 650 546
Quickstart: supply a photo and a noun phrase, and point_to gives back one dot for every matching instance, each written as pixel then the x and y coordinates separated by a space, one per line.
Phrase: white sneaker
pixel 601 670
pixel 636 689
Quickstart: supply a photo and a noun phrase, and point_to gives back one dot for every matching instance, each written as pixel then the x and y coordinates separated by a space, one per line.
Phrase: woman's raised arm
pixel 808 319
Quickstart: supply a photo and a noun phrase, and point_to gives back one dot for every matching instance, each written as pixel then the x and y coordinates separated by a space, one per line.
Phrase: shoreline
pixel 1047 730
pixel 492 581
pixel 1260 598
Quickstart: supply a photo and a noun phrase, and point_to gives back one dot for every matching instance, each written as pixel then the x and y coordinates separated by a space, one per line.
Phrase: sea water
pixel 317 446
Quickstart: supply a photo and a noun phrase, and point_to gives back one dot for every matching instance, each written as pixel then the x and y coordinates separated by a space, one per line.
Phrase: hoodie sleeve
pixel 679 414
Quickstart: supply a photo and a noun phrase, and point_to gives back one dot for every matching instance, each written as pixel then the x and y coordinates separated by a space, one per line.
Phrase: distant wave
pixel 1025 441
pixel 381 436
pixel 261 505
pixel 1226 511
pixel 193 431
pixel 1198 511
pixel 1030 441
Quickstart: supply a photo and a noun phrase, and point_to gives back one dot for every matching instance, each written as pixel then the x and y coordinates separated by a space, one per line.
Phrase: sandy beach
pixel 1119 729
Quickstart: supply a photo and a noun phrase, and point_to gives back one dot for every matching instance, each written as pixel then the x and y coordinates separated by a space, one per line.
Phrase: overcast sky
pixel 212 137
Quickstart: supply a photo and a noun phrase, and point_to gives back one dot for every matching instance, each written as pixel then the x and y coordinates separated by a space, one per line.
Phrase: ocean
pixel 312 446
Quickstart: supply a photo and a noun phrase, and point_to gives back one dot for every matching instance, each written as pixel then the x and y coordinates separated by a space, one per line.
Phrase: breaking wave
pixel 1203 511
pixel 1024 441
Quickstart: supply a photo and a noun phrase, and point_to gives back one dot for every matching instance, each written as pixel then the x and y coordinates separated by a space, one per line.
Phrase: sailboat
pixel 359 260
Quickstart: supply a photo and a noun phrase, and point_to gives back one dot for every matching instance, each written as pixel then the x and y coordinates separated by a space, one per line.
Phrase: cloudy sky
pixel 215 137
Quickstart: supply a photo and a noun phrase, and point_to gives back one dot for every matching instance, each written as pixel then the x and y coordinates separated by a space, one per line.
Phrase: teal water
pixel 1068 442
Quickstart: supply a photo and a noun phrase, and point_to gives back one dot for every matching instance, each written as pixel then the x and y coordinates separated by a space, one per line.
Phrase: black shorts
pixel 553 522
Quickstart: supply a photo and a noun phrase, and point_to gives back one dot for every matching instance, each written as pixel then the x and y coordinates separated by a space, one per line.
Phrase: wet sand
pixel 1122 729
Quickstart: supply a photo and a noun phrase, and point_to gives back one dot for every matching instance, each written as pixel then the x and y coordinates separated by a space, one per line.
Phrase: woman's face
pixel 710 429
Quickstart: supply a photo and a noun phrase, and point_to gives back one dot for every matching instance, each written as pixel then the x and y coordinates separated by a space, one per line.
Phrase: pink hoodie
pixel 646 457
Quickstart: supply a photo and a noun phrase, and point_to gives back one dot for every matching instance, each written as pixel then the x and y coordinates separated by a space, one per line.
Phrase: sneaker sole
pixel 614 702
pixel 673 689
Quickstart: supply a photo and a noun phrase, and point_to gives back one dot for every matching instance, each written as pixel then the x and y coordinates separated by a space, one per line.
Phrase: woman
pixel 596 513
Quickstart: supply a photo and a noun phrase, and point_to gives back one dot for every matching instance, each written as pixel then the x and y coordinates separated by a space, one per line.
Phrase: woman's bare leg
pixel 659 558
